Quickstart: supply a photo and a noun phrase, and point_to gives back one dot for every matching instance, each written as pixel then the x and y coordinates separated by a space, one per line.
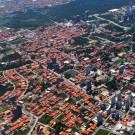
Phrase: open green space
pixel 57 127
pixel 110 17
pixel 79 98
pixel 114 18
pixel 127 133
pixel 45 119
pixel 110 37
pixel 84 120
pixel 3 45
pixel 71 101
pixel 82 109
pixel 3 90
pixel 92 100
pixel 132 30
pixel 128 23
pixel 70 73
pixel 118 62
pixel 25 20
pixel 63 95
pixel 3 108
pixel 102 132
pixel 24 132
pixel 54 109
pixel 59 118
pixel 18 41
pixel 114 28
pixel 74 129
pixel 81 41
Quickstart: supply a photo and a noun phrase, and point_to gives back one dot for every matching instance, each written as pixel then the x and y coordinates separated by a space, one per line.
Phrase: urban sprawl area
pixel 75 77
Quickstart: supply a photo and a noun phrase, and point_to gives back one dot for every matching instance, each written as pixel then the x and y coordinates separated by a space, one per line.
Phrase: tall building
pixel 113 100
pixel 87 70
pixel 17 112
pixel 133 47
pixel 118 105
pixel 56 67
pixel 76 18
pixel 54 61
pixel 83 82
pixel 133 43
pixel 99 119
pixel 118 95
pixel 88 84
pixel 131 16
pixel 127 105
pixel 108 110
pixel 121 69
pixel 93 28
pixel 116 116
pixel 83 17
pixel 87 13
pixel 103 106
pixel 13 99
pixel 133 37
pixel 50 65
pixel 125 18
pixel 134 13
pixel 130 99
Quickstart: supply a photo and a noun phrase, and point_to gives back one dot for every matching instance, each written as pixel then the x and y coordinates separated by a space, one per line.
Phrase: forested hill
pixel 79 6
pixel 44 16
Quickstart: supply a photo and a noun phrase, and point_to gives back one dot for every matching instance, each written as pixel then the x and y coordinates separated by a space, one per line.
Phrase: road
pixel 32 128
pixel 25 81
pixel 125 28
pixel 32 116
pixel 59 75
pixel 33 119
pixel 10 82
pixel 105 39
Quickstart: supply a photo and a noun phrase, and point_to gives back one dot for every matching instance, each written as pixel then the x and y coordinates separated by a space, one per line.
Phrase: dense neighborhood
pixel 71 78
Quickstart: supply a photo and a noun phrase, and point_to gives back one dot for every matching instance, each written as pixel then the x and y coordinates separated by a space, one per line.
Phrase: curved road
pixel 23 79
pixel 10 82
pixel 125 28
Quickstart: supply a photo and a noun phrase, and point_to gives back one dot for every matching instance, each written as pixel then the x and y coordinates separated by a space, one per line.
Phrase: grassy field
pixel 70 73
pixel 118 62
pixel 71 101
pixel 45 119
pixel 102 132
pixel 79 98
pixel 3 108
pixel 59 118
pixel 25 20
